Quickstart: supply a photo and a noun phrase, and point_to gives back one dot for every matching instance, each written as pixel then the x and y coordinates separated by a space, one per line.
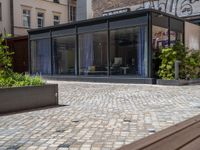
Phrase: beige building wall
pixel 192 36
pixel 5 25
pixel 46 6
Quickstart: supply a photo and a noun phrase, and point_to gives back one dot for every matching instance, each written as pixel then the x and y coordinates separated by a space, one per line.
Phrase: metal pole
pixel 177 63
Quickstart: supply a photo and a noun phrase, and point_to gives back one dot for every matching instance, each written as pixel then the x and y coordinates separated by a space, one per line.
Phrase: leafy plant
pixel 5 58
pixel 166 69
pixel 192 65
pixel 189 67
pixel 7 77
pixel 17 80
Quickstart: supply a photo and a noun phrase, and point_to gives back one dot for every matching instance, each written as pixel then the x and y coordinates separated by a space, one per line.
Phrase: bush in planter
pixel 189 67
pixel 192 64
pixel 17 80
pixel 168 57
pixel 7 77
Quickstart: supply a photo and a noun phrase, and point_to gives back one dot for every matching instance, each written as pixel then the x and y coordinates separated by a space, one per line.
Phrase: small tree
pixel 8 78
pixel 5 58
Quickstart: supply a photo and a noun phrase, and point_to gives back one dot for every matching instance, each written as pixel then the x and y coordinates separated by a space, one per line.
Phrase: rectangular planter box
pixel 26 98
pixel 177 82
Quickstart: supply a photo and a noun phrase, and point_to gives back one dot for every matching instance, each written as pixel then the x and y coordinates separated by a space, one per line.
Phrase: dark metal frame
pixel 107 20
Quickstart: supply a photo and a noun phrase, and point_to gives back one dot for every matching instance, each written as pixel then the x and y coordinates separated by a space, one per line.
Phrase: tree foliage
pixel 8 78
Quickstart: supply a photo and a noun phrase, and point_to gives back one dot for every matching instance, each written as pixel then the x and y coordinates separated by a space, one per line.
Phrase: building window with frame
pixel 40 19
pixel 72 13
pixel 56 20
pixel 0 12
pixel 26 18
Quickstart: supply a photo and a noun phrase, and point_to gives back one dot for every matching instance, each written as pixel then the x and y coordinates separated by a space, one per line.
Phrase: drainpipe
pixel 12 17
pixel 177 70
pixel 176 8
pixel 68 4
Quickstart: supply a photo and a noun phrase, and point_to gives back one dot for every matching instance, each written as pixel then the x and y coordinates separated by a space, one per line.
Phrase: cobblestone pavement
pixel 99 116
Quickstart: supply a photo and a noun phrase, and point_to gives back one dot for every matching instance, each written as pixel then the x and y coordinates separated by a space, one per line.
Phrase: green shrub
pixel 17 80
pixel 192 65
pixel 168 57
pixel 189 66
pixel 5 57
pixel 166 69
pixel 7 77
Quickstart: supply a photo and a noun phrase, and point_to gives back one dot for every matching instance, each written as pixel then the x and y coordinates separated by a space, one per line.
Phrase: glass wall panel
pixel 64 55
pixel 93 53
pixel 160 39
pixel 176 31
pixel 129 51
pixel 41 56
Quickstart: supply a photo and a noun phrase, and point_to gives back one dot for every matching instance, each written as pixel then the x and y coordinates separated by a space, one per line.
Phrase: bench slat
pixel 143 143
pixel 194 145
pixel 178 140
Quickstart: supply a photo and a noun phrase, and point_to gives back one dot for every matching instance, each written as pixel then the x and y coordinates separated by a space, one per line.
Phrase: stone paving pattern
pixel 99 116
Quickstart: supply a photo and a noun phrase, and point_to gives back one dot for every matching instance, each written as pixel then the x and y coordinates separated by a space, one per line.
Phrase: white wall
pixel 192 36
pixel 5 23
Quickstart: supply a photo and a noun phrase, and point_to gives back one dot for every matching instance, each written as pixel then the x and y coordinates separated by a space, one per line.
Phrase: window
pixel 40 19
pixel 56 20
pixel 176 31
pixel 72 13
pixel 64 55
pixel 41 56
pixel 26 18
pixel 93 53
pixel 0 12
pixel 56 1
pixel 128 51
pixel 160 39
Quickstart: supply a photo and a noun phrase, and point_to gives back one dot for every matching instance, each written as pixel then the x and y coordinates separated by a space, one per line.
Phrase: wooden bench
pixel 183 136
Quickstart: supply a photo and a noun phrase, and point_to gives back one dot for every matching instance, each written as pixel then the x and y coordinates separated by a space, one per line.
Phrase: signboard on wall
pixel 116 11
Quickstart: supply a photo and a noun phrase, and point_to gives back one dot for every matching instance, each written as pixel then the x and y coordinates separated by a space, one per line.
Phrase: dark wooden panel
pixel 19 45
pixel 21 56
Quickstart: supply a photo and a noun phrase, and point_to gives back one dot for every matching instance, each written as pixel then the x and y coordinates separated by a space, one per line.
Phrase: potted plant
pixel 189 67
pixel 22 92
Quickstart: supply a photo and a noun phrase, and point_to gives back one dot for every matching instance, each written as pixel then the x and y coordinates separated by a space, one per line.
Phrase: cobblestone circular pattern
pixel 99 116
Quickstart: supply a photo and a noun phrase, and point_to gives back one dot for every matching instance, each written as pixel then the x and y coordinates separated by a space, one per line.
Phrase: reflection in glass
pixel 129 51
pixel 41 56
pixel 176 31
pixel 175 36
pixel 93 53
pixel 160 39
pixel 64 55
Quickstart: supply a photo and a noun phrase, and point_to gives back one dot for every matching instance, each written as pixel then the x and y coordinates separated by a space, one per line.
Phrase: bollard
pixel 177 63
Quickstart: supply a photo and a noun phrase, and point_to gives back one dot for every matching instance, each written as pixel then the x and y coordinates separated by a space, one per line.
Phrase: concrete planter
pixel 177 82
pixel 26 98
